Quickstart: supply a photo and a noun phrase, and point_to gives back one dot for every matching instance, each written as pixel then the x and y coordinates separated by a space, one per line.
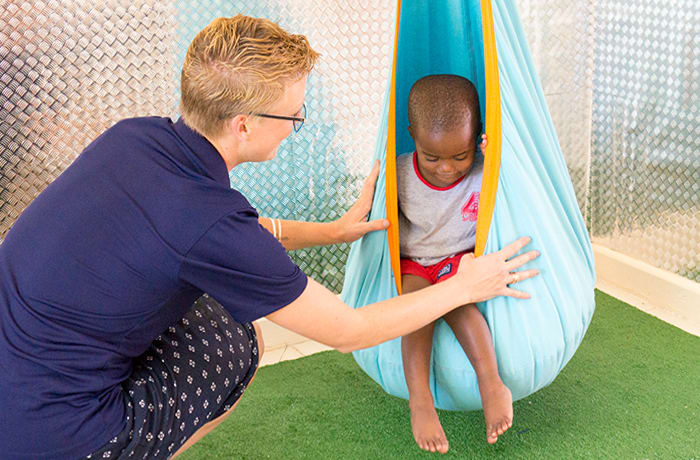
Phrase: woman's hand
pixel 491 275
pixel 353 224
pixel 295 234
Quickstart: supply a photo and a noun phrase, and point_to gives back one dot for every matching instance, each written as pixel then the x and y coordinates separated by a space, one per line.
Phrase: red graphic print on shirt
pixel 471 208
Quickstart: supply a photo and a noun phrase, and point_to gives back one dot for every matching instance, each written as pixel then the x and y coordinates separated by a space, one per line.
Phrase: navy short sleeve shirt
pixel 113 252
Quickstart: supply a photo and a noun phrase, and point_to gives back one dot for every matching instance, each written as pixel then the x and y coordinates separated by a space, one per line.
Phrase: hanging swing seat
pixel 526 190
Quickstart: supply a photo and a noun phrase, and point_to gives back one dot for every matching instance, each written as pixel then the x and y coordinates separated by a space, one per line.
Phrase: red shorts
pixel 441 271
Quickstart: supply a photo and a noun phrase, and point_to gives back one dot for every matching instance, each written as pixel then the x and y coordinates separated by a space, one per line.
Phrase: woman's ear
pixel 239 127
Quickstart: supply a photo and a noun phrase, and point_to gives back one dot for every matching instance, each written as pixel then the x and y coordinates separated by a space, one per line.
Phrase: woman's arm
pixel 295 234
pixel 320 315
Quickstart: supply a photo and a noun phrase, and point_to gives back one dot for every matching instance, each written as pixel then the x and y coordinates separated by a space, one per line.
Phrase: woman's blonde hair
pixel 239 65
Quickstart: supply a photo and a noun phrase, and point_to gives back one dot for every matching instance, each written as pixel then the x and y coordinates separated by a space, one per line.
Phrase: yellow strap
pixel 492 156
pixel 392 207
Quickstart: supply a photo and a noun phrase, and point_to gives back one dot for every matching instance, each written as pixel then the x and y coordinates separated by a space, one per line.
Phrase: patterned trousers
pixel 192 373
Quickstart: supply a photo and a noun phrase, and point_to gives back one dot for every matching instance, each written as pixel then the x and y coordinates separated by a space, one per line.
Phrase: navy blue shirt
pixel 113 252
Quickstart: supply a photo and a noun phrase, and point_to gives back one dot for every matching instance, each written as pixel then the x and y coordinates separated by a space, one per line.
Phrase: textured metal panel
pixel 67 72
pixel 646 132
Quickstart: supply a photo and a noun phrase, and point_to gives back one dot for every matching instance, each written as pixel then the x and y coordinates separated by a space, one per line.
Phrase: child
pixel 438 190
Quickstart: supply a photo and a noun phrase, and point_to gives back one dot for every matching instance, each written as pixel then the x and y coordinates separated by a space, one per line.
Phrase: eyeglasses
pixel 297 122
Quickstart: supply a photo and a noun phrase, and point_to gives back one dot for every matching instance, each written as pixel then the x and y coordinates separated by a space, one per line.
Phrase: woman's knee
pixel 261 342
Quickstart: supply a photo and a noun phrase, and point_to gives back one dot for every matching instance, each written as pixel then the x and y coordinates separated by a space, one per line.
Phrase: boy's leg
pixel 415 352
pixel 472 332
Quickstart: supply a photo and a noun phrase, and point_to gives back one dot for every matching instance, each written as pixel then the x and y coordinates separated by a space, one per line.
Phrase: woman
pixel 109 346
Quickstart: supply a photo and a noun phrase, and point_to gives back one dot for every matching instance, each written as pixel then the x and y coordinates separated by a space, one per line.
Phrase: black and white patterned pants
pixel 192 373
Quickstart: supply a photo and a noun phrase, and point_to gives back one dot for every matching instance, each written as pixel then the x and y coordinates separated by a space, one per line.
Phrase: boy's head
pixel 445 123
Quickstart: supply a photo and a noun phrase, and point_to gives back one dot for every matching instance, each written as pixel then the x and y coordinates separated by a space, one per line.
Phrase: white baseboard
pixel 667 296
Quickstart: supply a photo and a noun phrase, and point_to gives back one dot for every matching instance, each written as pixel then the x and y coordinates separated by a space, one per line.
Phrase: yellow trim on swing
pixel 392 205
pixel 492 156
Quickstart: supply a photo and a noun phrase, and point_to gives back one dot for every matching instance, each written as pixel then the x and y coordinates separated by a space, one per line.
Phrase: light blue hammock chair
pixel 526 190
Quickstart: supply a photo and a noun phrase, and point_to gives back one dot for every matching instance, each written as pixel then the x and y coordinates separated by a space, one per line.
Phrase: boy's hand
pixel 353 224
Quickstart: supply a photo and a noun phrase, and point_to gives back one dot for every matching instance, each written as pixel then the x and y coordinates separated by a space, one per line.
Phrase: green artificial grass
pixel 632 391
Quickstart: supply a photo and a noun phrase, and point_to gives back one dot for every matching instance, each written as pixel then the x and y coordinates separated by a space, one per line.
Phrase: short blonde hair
pixel 239 65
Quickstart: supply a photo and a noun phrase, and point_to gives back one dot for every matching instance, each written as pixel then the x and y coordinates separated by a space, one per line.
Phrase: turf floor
pixel 632 391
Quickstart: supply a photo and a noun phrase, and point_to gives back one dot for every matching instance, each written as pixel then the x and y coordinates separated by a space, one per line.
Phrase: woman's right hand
pixel 491 275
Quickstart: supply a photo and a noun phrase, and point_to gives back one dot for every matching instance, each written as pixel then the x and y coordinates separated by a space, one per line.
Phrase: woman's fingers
pixel 363 205
pixel 521 260
pixel 495 275
pixel 510 250
pixel 372 225
pixel 371 181
pixel 511 265
pixel 518 276
pixel 517 294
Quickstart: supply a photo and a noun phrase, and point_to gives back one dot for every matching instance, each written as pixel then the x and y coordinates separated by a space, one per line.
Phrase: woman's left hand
pixel 353 225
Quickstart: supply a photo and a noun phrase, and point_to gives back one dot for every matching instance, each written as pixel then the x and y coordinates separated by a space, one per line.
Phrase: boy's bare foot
pixel 498 409
pixel 427 430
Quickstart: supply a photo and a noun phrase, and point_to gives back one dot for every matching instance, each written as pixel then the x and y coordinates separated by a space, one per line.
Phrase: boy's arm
pixel 294 234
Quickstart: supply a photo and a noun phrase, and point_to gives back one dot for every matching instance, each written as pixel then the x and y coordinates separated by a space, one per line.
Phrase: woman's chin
pixel 262 158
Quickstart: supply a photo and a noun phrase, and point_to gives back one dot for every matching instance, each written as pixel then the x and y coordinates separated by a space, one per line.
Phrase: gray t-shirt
pixel 436 223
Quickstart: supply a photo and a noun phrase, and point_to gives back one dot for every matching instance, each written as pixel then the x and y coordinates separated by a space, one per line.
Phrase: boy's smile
pixel 444 158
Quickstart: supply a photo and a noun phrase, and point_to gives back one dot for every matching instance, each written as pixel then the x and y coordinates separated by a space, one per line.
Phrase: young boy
pixel 438 190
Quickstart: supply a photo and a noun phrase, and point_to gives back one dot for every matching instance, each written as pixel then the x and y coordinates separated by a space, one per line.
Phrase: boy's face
pixel 444 157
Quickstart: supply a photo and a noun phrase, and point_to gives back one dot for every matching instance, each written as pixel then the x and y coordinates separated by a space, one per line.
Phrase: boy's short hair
pixel 441 103
pixel 239 65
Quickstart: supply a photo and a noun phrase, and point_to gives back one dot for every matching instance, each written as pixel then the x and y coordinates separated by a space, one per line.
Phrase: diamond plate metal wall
pixel 645 190
pixel 67 72
pixel 69 69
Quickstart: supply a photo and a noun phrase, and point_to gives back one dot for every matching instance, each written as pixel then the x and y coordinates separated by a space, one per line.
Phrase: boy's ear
pixel 410 132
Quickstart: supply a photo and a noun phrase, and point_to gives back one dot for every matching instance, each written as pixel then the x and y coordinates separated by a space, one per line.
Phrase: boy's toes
pixel 435 445
pixel 427 430
pixel 492 435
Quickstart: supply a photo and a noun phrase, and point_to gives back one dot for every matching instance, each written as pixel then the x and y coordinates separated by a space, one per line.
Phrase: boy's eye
pixel 461 158
pixel 431 159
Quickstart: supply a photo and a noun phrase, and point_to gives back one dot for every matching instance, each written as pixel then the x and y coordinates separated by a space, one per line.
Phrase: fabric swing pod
pixel 526 191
